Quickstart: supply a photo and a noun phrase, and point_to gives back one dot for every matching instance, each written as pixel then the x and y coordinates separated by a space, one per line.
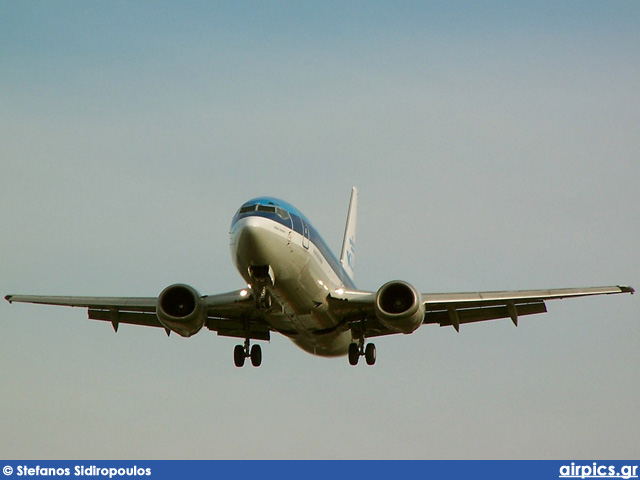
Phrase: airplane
pixel 296 287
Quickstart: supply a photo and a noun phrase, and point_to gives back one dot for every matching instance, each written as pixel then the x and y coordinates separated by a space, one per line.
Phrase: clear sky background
pixel 495 146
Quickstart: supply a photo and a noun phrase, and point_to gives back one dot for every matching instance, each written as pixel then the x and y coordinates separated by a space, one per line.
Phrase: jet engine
pixel 399 307
pixel 180 310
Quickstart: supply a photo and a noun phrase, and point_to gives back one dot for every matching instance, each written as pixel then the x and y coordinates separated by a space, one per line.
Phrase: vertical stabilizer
pixel 349 242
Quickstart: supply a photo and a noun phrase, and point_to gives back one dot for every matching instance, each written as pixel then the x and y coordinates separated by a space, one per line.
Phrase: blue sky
pixel 495 146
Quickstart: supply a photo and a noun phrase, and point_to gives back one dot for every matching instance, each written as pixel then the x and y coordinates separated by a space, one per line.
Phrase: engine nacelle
pixel 399 307
pixel 180 310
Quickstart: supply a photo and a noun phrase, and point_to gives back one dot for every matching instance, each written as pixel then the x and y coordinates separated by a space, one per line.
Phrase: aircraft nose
pixel 250 242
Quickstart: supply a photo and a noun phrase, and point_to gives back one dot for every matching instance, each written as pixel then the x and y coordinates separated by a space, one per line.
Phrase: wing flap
pixel 480 314
pixel 226 327
pixel 117 317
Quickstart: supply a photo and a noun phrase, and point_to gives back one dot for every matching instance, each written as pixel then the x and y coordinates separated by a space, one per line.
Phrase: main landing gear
pixel 241 352
pixel 360 350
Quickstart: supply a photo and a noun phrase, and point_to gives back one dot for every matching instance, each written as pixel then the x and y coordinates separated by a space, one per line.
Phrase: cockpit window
pixel 269 208
pixel 248 208
pixel 266 208
pixel 282 213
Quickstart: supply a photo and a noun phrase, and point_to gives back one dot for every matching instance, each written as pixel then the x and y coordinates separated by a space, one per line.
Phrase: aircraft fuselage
pixel 297 270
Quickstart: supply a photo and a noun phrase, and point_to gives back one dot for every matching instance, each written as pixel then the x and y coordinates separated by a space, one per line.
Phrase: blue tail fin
pixel 349 242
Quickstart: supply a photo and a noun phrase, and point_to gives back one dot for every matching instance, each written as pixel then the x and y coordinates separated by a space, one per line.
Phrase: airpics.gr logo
pixel 598 471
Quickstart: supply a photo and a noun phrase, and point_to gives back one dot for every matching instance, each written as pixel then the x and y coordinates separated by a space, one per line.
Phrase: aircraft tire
pixel 370 354
pixel 354 354
pixel 256 355
pixel 238 356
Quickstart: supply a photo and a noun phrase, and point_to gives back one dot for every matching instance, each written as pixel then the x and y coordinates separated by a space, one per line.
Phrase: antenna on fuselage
pixel 349 241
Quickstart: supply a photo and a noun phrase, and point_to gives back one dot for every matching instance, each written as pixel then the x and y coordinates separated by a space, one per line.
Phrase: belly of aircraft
pixel 309 325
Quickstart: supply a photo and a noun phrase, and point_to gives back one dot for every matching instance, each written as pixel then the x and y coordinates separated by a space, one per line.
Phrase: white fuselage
pixel 302 280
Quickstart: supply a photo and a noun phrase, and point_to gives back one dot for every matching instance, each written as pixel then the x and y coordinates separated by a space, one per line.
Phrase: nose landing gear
pixel 262 278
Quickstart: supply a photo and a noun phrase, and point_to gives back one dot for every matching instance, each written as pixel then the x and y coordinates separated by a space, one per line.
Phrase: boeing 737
pixel 296 287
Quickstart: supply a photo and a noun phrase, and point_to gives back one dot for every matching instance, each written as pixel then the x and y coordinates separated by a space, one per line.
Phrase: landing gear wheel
pixel 370 354
pixel 238 356
pixel 354 354
pixel 256 355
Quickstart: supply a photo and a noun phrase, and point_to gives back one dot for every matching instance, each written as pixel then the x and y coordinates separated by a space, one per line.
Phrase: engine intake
pixel 399 307
pixel 180 309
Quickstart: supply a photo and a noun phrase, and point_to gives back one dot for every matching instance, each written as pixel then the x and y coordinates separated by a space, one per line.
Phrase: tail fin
pixel 349 241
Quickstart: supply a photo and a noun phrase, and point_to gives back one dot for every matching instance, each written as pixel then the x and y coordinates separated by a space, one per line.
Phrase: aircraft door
pixel 305 235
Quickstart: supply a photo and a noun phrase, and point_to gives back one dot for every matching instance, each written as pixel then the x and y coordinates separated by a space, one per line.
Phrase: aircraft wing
pixel 117 310
pixel 226 313
pixel 454 309
pixel 234 313
pixel 458 308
